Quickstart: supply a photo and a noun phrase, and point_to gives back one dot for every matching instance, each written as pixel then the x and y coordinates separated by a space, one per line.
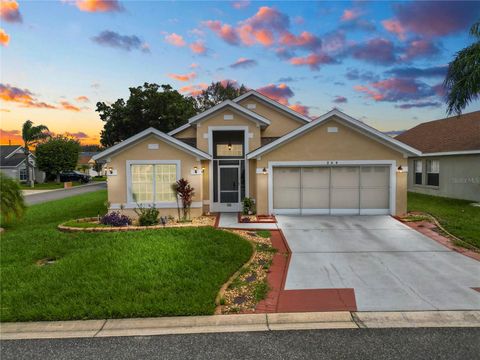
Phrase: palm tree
pixel 462 83
pixel 32 135
pixel 12 204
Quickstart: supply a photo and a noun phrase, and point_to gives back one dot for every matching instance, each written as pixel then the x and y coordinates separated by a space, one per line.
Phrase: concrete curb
pixel 236 323
pixel 93 183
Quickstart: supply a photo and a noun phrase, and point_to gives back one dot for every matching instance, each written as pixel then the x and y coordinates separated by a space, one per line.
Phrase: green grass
pixel 456 216
pixel 83 224
pixel 264 233
pixel 175 271
pixel 47 186
pixel 99 178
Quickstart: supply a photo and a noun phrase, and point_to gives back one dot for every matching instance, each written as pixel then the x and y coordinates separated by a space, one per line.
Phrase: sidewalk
pixel 230 221
pixel 236 323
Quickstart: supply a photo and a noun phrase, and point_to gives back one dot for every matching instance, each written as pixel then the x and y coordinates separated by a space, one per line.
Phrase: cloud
pixel 22 96
pixel 98 5
pixel 420 104
pixel 9 11
pixel 355 74
pixel 350 14
pixel 78 135
pixel 350 20
pixel 414 72
pixel 193 90
pixel 420 49
pixel 193 66
pixel 313 60
pixel 82 98
pixel 4 38
pixel 281 93
pixel 183 77
pixel 123 42
pixel 65 105
pixel 436 18
pixel 262 27
pixel 396 89
pixel 243 63
pixel 290 79
pixel 305 40
pixel 340 99
pixel 224 31
pixel 10 135
pixel 240 4
pixel 394 26
pixel 198 47
pixel 302 109
pixel 175 39
pixel 376 51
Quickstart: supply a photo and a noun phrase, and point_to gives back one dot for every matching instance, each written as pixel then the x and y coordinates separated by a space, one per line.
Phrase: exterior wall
pixel 318 144
pixel 13 173
pixel 281 123
pixel 459 177
pixel 117 184
pixel 190 132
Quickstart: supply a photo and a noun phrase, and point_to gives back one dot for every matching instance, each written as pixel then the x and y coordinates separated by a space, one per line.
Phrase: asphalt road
pixel 438 343
pixel 63 193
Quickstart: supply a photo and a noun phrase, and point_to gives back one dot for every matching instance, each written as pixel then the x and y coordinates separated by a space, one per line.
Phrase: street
pixel 63 193
pixel 406 343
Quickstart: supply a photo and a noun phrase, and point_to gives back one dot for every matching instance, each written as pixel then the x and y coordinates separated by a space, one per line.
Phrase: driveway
pixel 390 266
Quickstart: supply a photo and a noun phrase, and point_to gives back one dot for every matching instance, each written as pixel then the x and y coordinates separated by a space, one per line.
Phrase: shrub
pixel 12 204
pixel 248 206
pixel 115 218
pixel 185 192
pixel 147 216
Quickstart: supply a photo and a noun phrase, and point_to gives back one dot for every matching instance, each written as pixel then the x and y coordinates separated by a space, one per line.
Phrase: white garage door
pixel 331 190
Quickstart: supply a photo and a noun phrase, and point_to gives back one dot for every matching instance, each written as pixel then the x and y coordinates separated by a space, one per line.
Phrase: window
pixel 433 172
pixel 418 164
pixel 153 183
pixel 23 174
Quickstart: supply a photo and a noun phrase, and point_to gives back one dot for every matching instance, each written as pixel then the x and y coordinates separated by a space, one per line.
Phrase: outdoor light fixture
pixel 203 169
pixel 264 171
pixel 110 170
pixel 400 169
pixel 229 146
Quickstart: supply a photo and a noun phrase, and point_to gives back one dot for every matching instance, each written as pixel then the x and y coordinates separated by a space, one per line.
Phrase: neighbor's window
pixel 418 164
pixel 229 150
pixel 153 183
pixel 433 172
pixel 23 174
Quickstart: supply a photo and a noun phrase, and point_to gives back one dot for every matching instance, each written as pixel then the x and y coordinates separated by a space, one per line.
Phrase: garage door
pixel 331 190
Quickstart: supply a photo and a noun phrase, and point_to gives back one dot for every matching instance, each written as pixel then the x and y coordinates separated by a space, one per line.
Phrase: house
pixel 13 164
pixel 86 163
pixel 255 147
pixel 450 161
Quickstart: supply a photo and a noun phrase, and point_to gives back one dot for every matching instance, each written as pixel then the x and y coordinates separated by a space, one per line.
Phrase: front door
pixel 229 188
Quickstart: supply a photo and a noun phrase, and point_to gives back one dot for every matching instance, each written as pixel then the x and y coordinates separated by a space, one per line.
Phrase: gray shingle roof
pixel 13 160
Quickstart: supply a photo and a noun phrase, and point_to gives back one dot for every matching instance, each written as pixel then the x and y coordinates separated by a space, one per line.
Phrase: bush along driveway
pixel 51 275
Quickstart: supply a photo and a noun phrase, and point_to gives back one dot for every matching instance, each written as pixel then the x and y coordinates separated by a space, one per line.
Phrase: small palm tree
pixel 462 83
pixel 12 204
pixel 31 135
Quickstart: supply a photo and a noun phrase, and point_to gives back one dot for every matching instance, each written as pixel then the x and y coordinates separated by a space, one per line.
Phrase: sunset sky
pixel 380 62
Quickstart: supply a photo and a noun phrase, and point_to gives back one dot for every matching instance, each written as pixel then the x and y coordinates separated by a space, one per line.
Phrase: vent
pixel 152 146
pixel 251 106
pixel 332 129
pixel 228 117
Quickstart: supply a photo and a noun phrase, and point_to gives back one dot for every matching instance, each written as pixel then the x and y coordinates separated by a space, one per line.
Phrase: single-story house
pixel 449 165
pixel 13 164
pixel 258 148
pixel 86 164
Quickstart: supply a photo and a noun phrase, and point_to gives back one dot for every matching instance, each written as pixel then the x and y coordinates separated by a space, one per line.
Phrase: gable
pixel 281 122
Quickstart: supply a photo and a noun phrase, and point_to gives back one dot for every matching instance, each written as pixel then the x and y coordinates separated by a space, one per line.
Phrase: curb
pixel 236 323
pixel 93 183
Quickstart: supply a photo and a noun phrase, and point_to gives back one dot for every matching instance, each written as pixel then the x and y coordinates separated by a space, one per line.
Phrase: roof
pixel 8 158
pixel 349 121
pixel 85 157
pixel 293 113
pixel 453 134
pixel 152 131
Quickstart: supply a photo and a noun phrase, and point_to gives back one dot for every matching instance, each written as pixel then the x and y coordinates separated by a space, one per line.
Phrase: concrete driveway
pixel 390 266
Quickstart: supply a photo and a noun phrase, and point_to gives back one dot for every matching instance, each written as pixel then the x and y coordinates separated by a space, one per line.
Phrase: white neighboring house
pixel 13 164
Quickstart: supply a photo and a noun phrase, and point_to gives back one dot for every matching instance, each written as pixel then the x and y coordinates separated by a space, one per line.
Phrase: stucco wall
pixel 117 184
pixel 459 177
pixel 189 132
pixel 281 123
pixel 318 144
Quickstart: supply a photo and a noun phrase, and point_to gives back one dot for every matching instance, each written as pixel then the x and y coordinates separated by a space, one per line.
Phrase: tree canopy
pixel 462 83
pixel 150 105
pixel 57 154
pixel 218 92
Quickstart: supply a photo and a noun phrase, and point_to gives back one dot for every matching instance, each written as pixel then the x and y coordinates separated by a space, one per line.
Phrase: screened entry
pixel 335 190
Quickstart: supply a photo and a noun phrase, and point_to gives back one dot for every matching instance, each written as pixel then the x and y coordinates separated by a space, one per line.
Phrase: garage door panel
pixel 286 193
pixel 315 189
pixel 375 189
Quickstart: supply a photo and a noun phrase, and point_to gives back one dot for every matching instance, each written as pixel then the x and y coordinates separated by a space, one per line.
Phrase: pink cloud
pixel 302 109
pixel 9 11
pixel 82 98
pixel 313 60
pixel 4 38
pixel 194 65
pixel 377 51
pixel 65 105
pixel 198 47
pixel 193 90
pixel 183 77
pixel 420 48
pixel 281 93
pixel 241 4
pixel 394 26
pixel 175 39
pixel 98 5
pixel 243 63
pixel 224 31
pixel 305 40
pixel 350 14
pixel 396 89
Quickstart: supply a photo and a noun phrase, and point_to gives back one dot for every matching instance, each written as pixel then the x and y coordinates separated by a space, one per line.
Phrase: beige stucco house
pixel 255 147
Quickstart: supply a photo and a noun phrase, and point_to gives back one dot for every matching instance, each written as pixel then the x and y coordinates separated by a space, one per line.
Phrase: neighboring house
pixel 86 163
pixel 450 162
pixel 255 147
pixel 13 164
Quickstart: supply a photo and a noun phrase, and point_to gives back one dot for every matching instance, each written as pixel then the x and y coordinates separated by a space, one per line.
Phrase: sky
pixel 380 62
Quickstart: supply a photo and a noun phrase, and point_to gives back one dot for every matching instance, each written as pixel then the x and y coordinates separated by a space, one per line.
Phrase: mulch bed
pixel 262 219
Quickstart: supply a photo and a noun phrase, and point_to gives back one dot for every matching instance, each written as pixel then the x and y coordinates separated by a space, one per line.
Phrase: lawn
pixel 176 271
pixel 47 186
pixel 456 216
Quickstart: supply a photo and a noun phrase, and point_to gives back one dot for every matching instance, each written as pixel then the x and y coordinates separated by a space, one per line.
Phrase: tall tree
pixel 58 154
pixel 218 92
pixel 462 83
pixel 153 105
pixel 31 135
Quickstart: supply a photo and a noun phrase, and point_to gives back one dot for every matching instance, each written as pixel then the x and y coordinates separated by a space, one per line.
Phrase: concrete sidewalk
pixel 235 323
